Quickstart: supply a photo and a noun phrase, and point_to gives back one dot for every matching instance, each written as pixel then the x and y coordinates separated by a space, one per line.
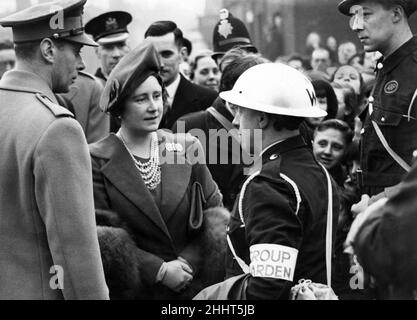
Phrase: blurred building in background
pixel 293 21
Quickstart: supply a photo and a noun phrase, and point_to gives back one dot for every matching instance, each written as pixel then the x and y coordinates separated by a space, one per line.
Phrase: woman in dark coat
pixel 150 190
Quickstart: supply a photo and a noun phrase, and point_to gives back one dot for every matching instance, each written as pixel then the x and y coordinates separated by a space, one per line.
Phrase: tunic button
pixel 273 157
pixel 383 119
pixel 379 66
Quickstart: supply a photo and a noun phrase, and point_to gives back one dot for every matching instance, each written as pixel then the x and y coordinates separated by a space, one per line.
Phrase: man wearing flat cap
pixel 109 30
pixel 48 238
pixel 389 134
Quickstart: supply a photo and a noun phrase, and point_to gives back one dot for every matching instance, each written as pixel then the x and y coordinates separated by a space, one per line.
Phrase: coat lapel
pixel 123 174
pixel 175 175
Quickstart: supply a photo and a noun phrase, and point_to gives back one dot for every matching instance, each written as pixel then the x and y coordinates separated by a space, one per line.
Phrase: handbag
pixel 306 289
pixel 195 220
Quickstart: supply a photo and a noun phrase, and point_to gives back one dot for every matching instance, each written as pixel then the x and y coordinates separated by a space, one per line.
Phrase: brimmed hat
pixel 230 32
pixel 56 20
pixel 131 71
pixel 275 88
pixel 409 5
pixel 109 27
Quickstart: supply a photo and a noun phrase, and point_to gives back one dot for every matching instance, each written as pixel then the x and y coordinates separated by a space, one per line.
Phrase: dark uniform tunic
pixel 395 86
pixel 272 216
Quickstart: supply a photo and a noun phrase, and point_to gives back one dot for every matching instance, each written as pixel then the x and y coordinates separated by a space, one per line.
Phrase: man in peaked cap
pixel 392 112
pixel 230 32
pixel 109 30
pixel 48 239
pixel 389 134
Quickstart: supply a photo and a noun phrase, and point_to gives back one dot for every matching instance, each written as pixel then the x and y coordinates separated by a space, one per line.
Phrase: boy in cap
pixel 48 239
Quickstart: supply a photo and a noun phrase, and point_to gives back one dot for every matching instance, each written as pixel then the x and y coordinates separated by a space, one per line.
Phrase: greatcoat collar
pixel 25 81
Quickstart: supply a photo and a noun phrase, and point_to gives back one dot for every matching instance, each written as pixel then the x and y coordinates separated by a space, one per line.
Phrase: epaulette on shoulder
pixel 88 75
pixel 56 109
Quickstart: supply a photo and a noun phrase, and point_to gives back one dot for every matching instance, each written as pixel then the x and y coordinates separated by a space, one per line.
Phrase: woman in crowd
pixel 350 75
pixel 327 100
pixel 150 190
pixel 204 70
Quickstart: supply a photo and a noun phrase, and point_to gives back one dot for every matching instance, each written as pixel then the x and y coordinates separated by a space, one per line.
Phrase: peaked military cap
pixel 57 20
pixel 230 32
pixel 131 71
pixel 109 27
pixel 409 5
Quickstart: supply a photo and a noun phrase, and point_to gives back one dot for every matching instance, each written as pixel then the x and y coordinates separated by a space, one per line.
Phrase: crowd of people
pixel 169 173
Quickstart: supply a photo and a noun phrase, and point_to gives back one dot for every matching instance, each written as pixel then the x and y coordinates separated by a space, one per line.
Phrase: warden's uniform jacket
pixel 157 221
pixel 84 96
pixel 46 197
pixel 396 115
pixel 276 225
pixel 227 174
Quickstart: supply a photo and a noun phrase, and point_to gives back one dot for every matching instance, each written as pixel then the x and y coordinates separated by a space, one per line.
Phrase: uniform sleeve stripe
pixel 296 191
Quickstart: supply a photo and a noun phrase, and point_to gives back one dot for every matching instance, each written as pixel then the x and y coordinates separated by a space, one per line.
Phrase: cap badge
pixel 111 24
pixel 225 28
pixel 391 87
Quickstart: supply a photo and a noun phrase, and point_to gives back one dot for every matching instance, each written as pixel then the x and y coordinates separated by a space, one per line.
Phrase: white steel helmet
pixel 277 89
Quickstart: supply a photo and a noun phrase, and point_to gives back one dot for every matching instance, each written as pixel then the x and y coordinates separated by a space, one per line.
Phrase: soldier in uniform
pixel 109 30
pixel 277 233
pixel 389 133
pixel 48 238
pixel 83 101
pixel 230 32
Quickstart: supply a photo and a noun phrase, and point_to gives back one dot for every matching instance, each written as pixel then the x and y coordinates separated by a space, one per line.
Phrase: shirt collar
pixel 390 62
pixel 172 88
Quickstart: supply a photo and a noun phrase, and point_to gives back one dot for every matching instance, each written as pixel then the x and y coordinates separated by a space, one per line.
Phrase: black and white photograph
pixel 209 155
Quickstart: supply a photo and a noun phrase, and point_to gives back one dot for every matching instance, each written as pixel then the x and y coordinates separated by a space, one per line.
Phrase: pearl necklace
pixel 150 170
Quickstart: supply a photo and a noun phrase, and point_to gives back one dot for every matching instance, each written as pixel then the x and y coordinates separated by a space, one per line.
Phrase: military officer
pixel 48 238
pixel 389 134
pixel 83 100
pixel 109 30
pixel 277 234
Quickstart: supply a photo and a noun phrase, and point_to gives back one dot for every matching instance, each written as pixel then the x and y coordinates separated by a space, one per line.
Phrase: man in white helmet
pixel 277 233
